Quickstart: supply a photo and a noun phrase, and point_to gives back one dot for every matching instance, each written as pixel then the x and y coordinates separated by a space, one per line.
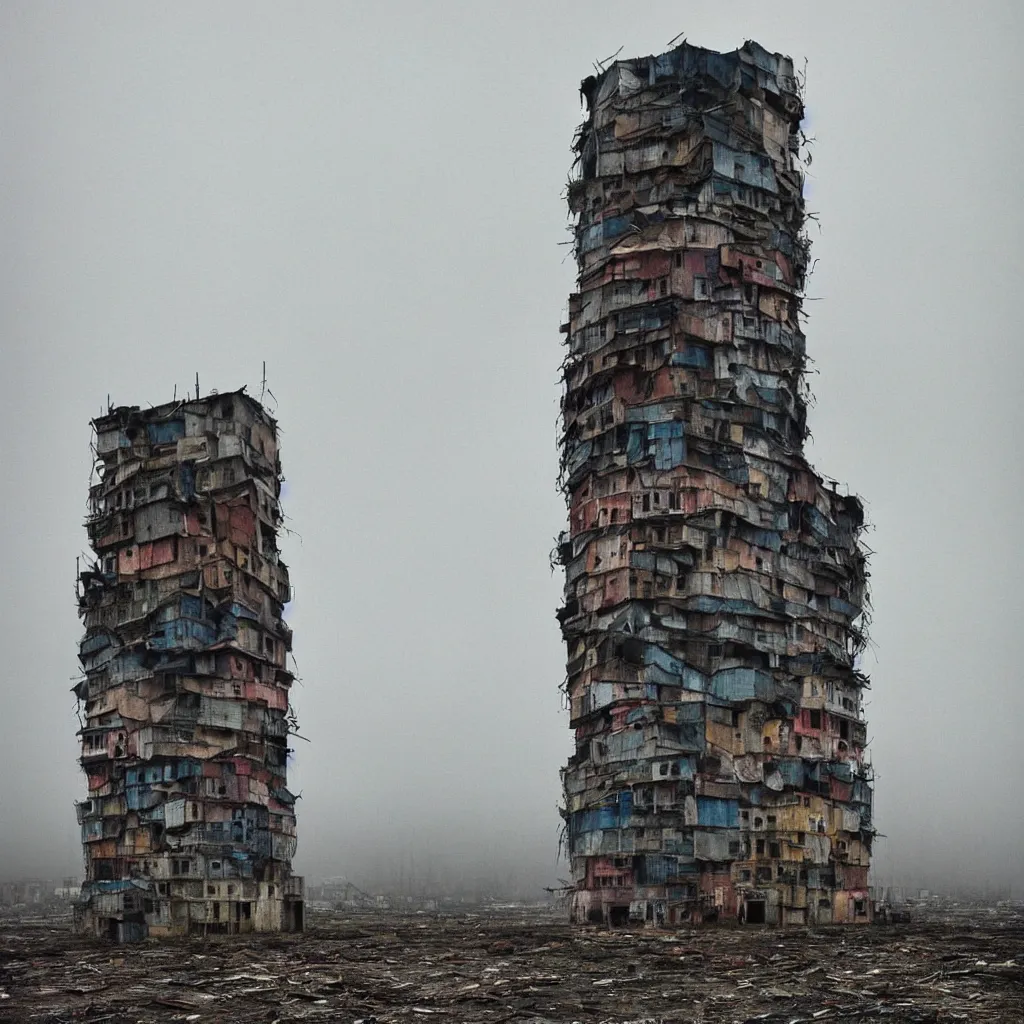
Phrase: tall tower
pixel 188 826
pixel 714 585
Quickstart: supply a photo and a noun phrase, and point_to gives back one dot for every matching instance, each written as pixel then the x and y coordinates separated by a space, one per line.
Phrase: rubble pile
pixel 527 966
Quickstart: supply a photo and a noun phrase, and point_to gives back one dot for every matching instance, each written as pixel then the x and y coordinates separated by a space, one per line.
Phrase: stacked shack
pixel 189 826
pixel 714 585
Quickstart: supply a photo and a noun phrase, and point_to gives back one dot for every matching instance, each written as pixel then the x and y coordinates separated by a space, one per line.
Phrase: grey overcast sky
pixel 369 197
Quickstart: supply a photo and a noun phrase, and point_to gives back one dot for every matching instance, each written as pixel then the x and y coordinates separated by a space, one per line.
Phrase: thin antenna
pixel 197 385
pixel 263 384
pixel 675 39
pixel 600 65
pixel 175 393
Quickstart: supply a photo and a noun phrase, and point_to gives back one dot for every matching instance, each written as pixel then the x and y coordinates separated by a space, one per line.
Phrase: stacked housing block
pixel 715 585
pixel 188 826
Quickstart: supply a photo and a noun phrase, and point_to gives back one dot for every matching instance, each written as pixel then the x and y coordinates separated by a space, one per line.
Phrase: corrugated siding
pixel 718 813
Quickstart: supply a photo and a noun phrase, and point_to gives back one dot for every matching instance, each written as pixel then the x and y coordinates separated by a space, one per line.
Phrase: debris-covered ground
pixel 507 966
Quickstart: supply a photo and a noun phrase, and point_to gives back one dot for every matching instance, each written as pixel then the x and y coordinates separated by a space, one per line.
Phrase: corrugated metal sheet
pixel 167 432
pixel 221 714
pixel 712 811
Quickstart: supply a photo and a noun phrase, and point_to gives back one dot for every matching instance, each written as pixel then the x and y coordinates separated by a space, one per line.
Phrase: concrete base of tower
pixel 633 910
pixel 784 906
pixel 132 910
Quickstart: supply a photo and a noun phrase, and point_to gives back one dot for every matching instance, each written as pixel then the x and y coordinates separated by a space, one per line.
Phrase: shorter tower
pixel 189 827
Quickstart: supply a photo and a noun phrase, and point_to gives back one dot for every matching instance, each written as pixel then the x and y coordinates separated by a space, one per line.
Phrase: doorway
pixel 755 911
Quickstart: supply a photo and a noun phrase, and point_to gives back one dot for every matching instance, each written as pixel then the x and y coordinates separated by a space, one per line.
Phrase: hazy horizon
pixel 370 199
